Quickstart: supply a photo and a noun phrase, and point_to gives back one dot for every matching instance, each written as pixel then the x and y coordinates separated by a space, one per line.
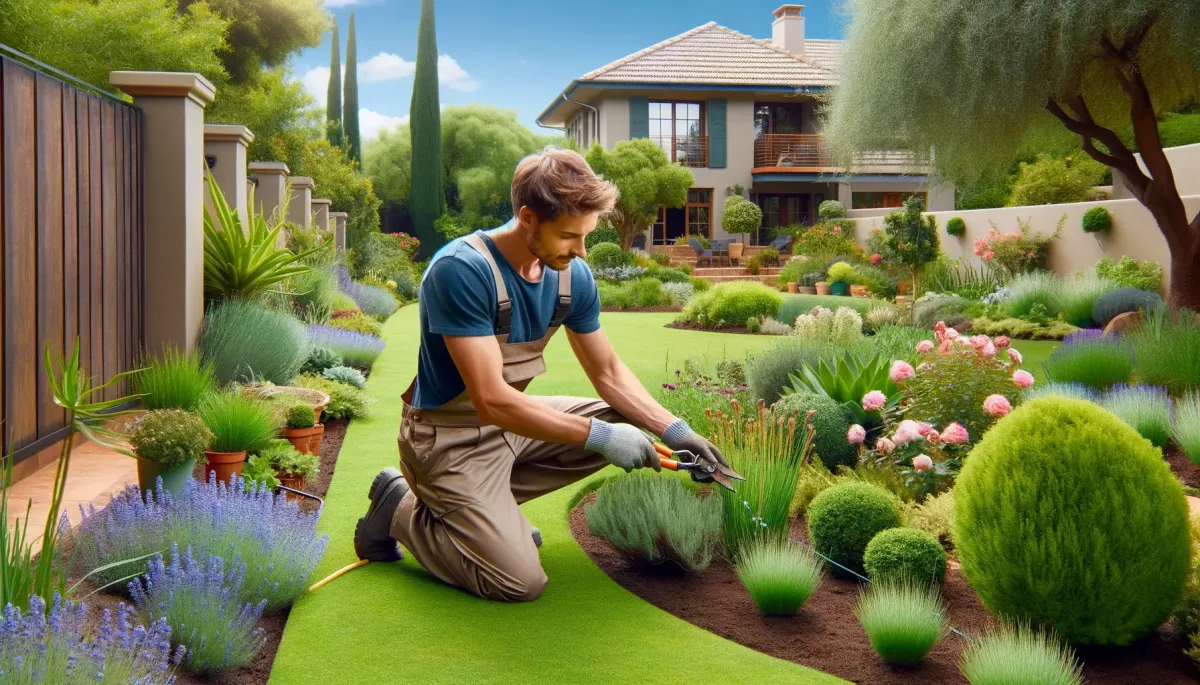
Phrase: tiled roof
pixel 713 54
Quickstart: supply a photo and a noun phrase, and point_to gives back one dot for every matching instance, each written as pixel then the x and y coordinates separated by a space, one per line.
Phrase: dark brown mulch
pixel 693 326
pixel 826 636
pixel 644 310
pixel 1187 472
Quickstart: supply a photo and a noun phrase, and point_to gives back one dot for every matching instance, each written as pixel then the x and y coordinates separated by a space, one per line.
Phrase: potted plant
pixel 840 275
pixel 239 423
pixel 793 287
pixel 302 430
pixel 822 287
pixel 809 284
pixel 167 443
pixel 768 256
pixel 292 468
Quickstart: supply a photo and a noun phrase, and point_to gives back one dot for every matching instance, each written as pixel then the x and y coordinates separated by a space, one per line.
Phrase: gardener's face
pixel 559 241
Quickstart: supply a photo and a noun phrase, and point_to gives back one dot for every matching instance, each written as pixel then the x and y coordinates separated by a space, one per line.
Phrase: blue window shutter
pixel 716 134
pixel 639 118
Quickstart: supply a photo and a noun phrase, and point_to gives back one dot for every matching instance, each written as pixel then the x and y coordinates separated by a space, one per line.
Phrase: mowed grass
pixel 393 623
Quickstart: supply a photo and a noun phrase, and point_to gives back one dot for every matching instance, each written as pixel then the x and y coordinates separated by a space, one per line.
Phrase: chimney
pixel 787 31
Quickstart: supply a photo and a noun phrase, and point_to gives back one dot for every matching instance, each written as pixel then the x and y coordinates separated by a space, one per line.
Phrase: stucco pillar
pixel 320 213
pixel 270 180
pixel 173 105
pixel 844 196
pixel 300 209
pixel 225 151
pixel 337 223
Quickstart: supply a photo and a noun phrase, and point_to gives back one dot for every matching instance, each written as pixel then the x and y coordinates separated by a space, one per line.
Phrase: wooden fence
pixel 71 254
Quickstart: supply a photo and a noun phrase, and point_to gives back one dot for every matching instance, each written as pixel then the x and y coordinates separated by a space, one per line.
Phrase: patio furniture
pixel 780 243
pixel 720 249
pixel 700 251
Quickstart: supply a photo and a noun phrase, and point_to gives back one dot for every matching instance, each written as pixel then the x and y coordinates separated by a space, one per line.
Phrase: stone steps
pixel 761 278
pixel 715 272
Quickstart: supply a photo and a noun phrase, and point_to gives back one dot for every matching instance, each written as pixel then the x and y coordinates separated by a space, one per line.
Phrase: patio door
pixel 692 219
pixel 781 209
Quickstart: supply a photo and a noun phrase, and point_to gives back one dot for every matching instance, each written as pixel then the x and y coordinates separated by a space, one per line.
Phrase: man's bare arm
pixel 616 384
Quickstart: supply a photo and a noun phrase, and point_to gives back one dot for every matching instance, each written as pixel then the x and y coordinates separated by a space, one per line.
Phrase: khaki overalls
pixel 461 520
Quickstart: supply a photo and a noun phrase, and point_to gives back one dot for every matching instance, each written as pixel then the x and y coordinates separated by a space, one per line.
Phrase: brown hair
pixel 557 181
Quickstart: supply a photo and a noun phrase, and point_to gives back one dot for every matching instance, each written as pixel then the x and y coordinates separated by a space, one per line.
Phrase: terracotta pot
pixel 294 482
pixel 225 464
pixel 904 288
pixel 822 288
pixel 859 291
pixel 809 290
pixel 903 300
pixel 793 287
pixel 303 439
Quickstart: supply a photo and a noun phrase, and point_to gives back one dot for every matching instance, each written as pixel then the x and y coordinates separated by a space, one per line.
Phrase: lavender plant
pixel 356 349
pixel 372 300
pixel 53 648
pixel 201 602
pixel 278 544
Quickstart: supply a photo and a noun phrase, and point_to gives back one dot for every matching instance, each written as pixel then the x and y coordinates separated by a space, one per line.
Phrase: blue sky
pixel 519 54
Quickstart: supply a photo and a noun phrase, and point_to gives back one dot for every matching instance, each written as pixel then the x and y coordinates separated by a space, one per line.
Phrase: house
pixel 738 110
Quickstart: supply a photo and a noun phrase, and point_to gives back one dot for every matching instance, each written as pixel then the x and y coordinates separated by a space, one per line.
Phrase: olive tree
pixel 741 215
pixel 647 180
pixel 973 80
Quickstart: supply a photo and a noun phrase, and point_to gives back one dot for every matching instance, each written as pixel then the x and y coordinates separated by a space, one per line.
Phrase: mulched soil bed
pixel 1187 472
pixel 693 326
pixel 644 310
pixel 259 671
pixel 826 636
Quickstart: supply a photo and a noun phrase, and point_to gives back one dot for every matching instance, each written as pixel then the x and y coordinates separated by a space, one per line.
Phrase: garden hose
pixel 337 574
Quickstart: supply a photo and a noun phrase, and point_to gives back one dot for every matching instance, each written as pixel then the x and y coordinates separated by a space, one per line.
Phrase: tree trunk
pixel 1185 275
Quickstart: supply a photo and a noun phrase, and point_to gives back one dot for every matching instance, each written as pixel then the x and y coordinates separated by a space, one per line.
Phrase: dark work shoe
pixel 373 534
pixel 537 538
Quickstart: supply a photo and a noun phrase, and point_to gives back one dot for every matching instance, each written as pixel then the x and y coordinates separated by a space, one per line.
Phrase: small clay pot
pixel 303 438
pixel 809 290
pixel 822 288
pixel 294 482
pixel 225 464
pixel 859 291
pixel 793 287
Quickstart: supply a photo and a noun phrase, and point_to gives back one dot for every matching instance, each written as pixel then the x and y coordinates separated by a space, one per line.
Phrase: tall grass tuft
pixel 239 422
pixel 1145 408
pixel 173 380
pixel 1098 363
pixel 1077 391
pixel 779 575
pixel 903 620
pixel 1027 290
pixel 761 448
pixel 1076 295
pixel 1019 655
pixel 1185 431
pixel 1167 350
pixel 245 341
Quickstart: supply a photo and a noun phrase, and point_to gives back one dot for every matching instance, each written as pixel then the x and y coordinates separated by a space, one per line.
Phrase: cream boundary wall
pixel 1185 165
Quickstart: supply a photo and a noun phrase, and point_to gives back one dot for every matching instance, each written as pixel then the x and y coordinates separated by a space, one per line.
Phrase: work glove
pixel 622 445
pixel 679 436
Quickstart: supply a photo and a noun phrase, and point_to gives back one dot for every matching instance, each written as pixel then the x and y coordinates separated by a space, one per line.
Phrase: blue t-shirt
pixel 458 297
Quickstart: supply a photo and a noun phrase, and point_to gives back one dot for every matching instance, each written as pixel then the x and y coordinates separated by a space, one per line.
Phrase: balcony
pixel 801 153
pixel 687 150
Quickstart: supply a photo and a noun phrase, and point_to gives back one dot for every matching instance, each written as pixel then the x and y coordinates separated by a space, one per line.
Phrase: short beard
pixel 534 243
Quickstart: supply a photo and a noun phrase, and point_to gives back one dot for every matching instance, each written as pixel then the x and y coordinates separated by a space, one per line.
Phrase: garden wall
pixel 1185 165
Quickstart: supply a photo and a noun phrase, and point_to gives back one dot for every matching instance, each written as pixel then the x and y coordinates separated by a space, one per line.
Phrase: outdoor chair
pixel 780 243
pixel 639 241
pixel 701 253
pixel 720 249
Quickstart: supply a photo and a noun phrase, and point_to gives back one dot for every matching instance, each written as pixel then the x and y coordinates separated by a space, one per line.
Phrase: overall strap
pixel 503 302
pixel 564 297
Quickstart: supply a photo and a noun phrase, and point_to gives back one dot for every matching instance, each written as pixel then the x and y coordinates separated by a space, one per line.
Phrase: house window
pixel 781 210
pixel 778 117
pixel 699 212
pixel 694 218
pixel 882 200
pixel 678 128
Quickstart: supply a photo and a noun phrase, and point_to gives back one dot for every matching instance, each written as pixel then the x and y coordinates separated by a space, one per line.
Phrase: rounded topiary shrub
pixel 1122 300
pixel 603 233
pixel 843 519
pixel 730 304
pixel 830 424
pixel 1097 220
pixel 831 209
pixel 1066 517
pixel 905 553
pixel 608 256
pixel 956 227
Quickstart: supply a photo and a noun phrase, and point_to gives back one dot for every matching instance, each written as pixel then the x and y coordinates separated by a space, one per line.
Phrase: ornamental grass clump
pixel 654 519
pixel 902 619
pixel 245 341
pixel 822 325
pixel 355 349
pixel 1097 363
pixel 779 575
pixel 201 602
pixel 60 648
pixel 1166 350
pixel 1012 655
pixel 1185 430
pixel 239 422
pixel 173 380
pixel 1078 391
pixel 1145 408
pixel 843 519
pixel 1038 471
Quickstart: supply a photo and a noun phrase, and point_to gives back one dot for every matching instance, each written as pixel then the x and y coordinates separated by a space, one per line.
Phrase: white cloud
pixel 347 3
pixel 316 82
pixel 454 76
pixel 371 123
pixel 384 67
pixel 387 66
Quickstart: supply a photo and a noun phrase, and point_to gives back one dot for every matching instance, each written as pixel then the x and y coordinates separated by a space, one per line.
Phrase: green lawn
pixel 392 623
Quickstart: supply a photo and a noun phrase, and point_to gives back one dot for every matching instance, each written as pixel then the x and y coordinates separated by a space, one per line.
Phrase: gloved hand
pixel 680 436
pixel 622 445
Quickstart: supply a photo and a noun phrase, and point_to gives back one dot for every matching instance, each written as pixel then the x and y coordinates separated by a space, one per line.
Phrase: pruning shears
pixel 701 471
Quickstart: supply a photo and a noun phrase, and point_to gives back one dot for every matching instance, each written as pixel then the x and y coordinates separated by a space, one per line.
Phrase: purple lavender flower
pixel 1083 335
pixel 372 300
pixel 355 349
pixel 200 602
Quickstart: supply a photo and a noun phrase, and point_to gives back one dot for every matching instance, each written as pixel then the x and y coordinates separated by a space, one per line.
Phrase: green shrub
pixel 842 272
pixel 730 304
pixel 905 553
pixel 1051 180
pixel 345 401
pixel 286 460
pixel 1186 429
pixel 1097 220
pixel 359 323
pixel 1110 304
pixel 932 516
pixel 647 292
pixel 170 437
pixel 876 280
pixel 768 256
pixel 956 227
pixel 603 233
pixel 1018 328
pixel 699 285
pixel 608 256
pixel 830 425
pixel 753 324
pixel 1076 296
pixel 1029 289
pixel 1015 655
pixel 239 422
pixel 949 309
pixel 662 259
pixel 741 216
pixel 843 519
pixel 767 372
pixel 1038 471
pixel 903 620
pixel 1131 273
pixel 653 518
pixel 1098 363
pixel 173 380
pixel 1166 350
pixel 343 301
pixel 779 575
pixel 301 416
pixel 793 268
pixel 796 304
pixel 1144 408
pixel 831 209
pixel 312 295
pixel 245 341
pixel 669 275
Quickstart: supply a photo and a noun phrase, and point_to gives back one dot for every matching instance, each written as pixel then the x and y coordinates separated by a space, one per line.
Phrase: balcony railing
pixel 687 150
pixel 806 152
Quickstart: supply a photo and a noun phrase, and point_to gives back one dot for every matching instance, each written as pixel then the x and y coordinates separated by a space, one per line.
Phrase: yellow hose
pixel 337 574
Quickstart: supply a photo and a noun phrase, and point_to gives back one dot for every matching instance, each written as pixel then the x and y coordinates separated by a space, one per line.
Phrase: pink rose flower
pixel 876 259
pixel 996 405
pixel 1002 341
pixel 901 371
pixel 856 434
pixel 925 346
pixel 908 431
pixel 989 350
pixel 951 333
pixel 874 400
pixel 939 331
pixel 944 346
pixel 933 437
pixel 923 428
pixel 979 341
pixel 955 434
pixel 1015 356
pixel 922 462
pixel 1022 378
pixel 884 445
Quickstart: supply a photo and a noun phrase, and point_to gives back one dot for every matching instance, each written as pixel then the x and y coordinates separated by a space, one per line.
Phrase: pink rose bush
pixel 928 459
pixel 955 434
pixel 924 346
pixel 901 371
pixel 1022 378
pixel 874 400
pixel 997 405
pixel 856 435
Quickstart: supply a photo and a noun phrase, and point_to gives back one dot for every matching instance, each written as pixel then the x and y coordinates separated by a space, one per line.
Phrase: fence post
pixel 270 180
pixel 320 213
pixel 299 212
pixel 338 221
pixel 225 151
pixel 173 105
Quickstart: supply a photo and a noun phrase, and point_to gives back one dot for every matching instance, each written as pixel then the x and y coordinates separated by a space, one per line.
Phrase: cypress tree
pixel 427 199
pixel 350 100
pixel 333 100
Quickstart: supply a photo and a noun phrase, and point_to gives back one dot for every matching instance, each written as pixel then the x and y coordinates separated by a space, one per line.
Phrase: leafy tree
pixel 387 159
pixel 353 142
pixel 427 198
pixel 647 180
pixel 263 32
pixel 972 80
pixel 333 97
pixel 339 179
pixel 912 238
pixel 1050 180
pixel 741 215
pixel 276 108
